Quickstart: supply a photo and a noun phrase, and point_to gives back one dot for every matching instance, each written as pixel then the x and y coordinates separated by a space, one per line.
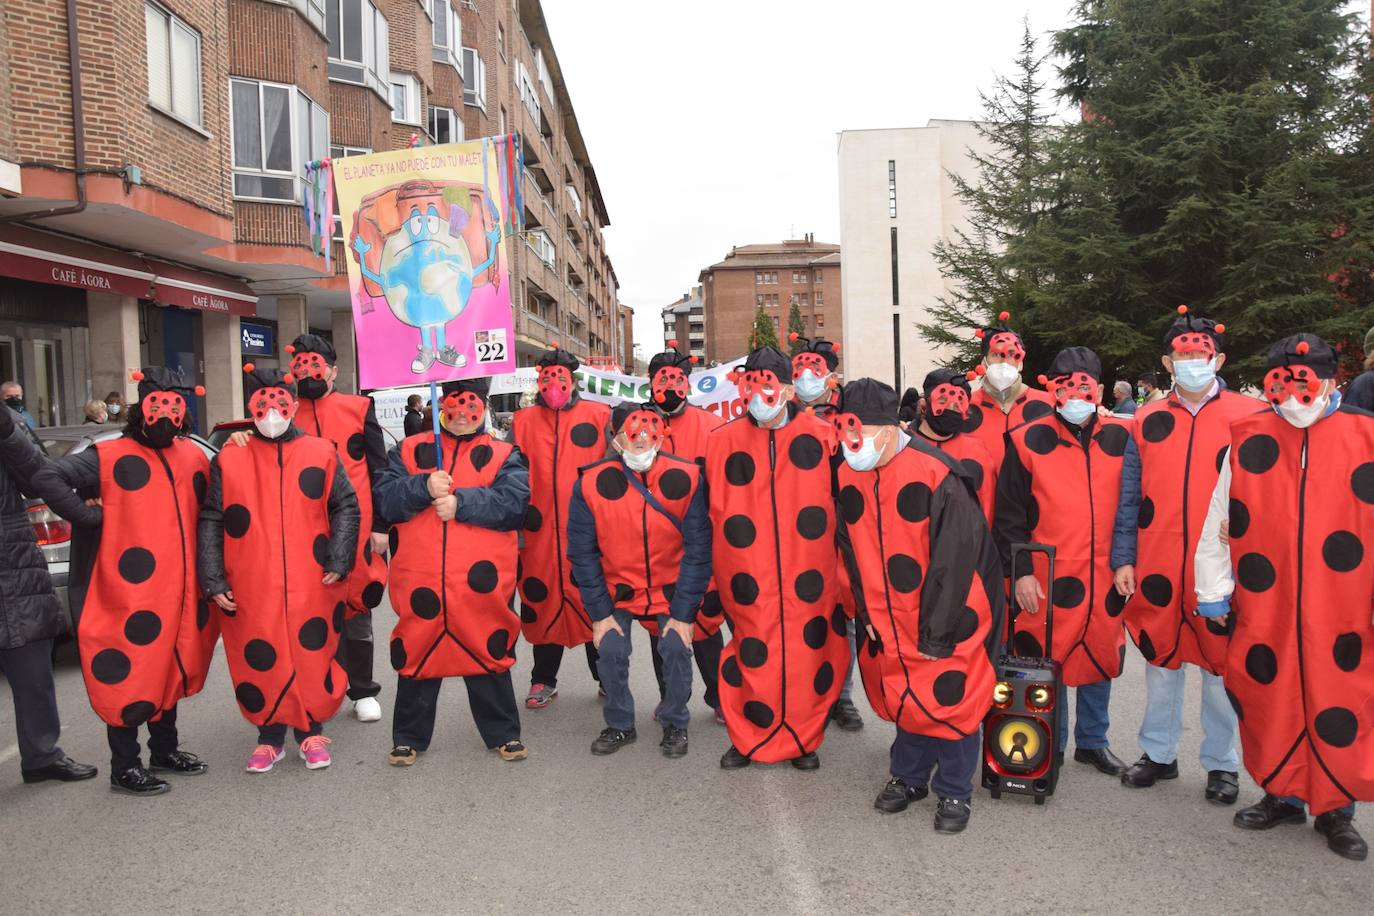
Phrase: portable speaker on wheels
pixel 1020 729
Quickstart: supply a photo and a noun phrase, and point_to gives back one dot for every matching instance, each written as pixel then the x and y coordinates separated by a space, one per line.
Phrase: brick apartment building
pixel 771 276
pixel 151 157
pixel 684 323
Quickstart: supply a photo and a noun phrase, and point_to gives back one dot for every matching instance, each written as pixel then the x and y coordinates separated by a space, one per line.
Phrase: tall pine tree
pixel 764 334
pixel 795 325
pixel 1223 161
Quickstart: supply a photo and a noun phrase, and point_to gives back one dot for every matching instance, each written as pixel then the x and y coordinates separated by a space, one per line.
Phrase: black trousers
pixel 124 749
pixel 355 655
pixel 29 672
pixel 548 658
pixel 275 735
pixel 707 652
pixel 490 696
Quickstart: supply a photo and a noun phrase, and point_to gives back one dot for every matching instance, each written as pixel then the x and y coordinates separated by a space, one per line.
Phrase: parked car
pixel 54 533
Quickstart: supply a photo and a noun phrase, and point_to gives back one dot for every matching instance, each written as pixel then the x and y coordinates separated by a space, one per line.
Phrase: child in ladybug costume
pixel 685 428
pixel 146 634
pixel 278 537
pixel 928 587
pixel 1166 482
pixel 350 422
pixel 1059 484
pixel 1003 400
pixel 775 557
pixel 943 408
pixel 639 538
pixel 557 434
pixel 1296 571
pixel 454 545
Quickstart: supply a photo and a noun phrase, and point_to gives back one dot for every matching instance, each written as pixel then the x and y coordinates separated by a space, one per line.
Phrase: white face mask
pixel 1195 374
pixel 112 409
pixel 1302 415
pixel 809 386
pixel 760 410
pixel 1002 376
pixel 641 462
pixel 272 424
pixel 1076 411
pixel 866 458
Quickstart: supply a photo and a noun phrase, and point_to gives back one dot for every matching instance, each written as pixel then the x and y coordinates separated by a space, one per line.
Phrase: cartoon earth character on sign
pixel 414 248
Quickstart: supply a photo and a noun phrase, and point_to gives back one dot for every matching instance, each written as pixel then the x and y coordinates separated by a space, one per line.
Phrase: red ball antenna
pixel 248 367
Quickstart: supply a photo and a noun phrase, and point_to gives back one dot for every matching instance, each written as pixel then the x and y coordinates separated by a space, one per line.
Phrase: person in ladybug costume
pixel 1003 400
pixel 278 537
pixel 557 434
pixel 685 428
pixel 927 584
pixel 942 409
pixel 350 422
pixel 639 539
pixel 1059 484
pixel 454 546
pixel 774 554
pixel 1284 562
pixel 1167 478
pixel 145 633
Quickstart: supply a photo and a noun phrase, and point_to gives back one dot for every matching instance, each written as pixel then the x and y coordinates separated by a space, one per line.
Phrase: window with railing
pixel 359 48
pixel 539 242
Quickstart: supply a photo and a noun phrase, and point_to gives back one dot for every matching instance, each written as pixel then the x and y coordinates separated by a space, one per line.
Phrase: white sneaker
pixel 368 710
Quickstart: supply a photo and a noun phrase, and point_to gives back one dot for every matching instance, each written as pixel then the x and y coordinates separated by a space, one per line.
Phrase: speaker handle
pixel 1048 551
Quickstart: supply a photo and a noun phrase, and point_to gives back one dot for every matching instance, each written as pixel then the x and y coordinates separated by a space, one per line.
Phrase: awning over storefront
pixel 27 254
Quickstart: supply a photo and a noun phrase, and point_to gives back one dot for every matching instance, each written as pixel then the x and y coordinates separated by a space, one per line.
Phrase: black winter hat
pixel 1075 359
pixel 821 347
pixel 557 356
pixel 1188 323
pixel 872 401
pixel 1304 350
pixel 770 359
pixel 256 378
pixel 671 357
pixel 164 378
pixel 314 343
pixel 478 386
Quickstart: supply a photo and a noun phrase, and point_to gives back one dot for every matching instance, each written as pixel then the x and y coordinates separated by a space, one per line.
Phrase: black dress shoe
pixel 611 740
pixel 896 795
pixel 674 743
pixel 951 815
pixel 1223 787
pixel 1269 811
pixel 846 716
pixel 1102 758
pixel 64 770
pixel 807 762
pixel 733 760
pixel 1341 836
pixel 183 762
pixel 138 781
pixel 1145 772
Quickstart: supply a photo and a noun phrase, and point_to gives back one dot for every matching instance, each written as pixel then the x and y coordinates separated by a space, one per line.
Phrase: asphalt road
pixel 564 832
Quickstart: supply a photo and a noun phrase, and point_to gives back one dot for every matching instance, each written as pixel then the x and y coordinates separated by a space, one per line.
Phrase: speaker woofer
pixel 1019 744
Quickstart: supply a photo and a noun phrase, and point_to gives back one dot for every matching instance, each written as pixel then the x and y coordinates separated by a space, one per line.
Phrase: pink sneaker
pixel 315 752
pixel 264 757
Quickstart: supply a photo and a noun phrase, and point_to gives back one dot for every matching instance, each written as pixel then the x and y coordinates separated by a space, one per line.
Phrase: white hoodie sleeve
pixel 1212 564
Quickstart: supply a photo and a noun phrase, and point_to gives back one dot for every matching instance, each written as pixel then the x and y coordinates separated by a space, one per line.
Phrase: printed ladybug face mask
pixel 309 365
pixel 947 398
pixel 643 427
pixel 762 383
pixel 1194 343
pixel 272 410
pixel 555 386
pixel 849 431
pixel 463 411
pixel 1007 345
pixel 163 405
pixel 1297 382
pixel 670 388
pixel 812 361
pixel 1080 386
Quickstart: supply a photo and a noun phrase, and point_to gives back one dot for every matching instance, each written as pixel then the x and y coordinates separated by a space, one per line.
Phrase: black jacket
pixel 399 495
pixel 414 422
pixel 29 609
pixel 1360 392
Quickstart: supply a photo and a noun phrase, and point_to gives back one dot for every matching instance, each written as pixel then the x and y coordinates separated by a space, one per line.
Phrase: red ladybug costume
pixel 555 441
pixel 1299 668
pixel 775 558
pixel 1060 485
pixel 947 405
pixel 986 420
pixel 1181 454
pixel 280 513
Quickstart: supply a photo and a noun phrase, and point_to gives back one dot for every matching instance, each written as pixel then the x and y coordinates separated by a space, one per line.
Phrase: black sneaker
pixel 896 795
pixel 808 761
pixel 611 740
pixel 674 743
pixel 733 760
pixel 951 815
pixel 846 716
pixel 183 762
pixel 138 781
pixel 1341 836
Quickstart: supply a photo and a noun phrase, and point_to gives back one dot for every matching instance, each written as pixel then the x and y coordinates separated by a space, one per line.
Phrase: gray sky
pixel 714 123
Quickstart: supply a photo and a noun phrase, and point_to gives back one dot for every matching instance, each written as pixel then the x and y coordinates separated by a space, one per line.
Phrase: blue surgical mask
pixel 866 458
pixel 1195 374
pixel 810 386
pixel 760 411
pixel 1076 411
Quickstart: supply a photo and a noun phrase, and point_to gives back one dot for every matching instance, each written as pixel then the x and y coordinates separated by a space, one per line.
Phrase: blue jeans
pixel 614 666
pixel 1162 726
pixel 952 759
pixel 847 691
pixel 1090 729
pixel 1348 810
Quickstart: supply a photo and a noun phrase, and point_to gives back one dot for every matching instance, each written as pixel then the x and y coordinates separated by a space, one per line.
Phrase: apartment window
pixel 501 124
pixel 758 277
pixel 311 10
pixel 820 299
pixel 528 95
pixel 359 50
pixel 820 321
pixel 892 188
pixel 758 300
pixel 804 300
pixel 448 37
pixel 405 98
pixel 276 130
pixel 541 245
pixel 173 65
pixel 428 7
pixel 820 277
pixel 776 324
pixel 445 126
pixel 342 152
pixel 894 265
pixel 474 79
pixel 501 40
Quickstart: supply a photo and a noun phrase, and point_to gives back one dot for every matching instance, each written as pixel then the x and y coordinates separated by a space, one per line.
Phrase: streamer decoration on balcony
pixel 319 208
